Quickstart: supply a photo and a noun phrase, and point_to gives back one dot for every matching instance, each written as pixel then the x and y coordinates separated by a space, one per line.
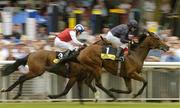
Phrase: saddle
pixel 108 52
pixel 65 56
pixel 59 57
pixel 60 54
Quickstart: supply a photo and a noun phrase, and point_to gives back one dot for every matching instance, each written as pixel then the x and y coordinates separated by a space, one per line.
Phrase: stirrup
pixel 121 58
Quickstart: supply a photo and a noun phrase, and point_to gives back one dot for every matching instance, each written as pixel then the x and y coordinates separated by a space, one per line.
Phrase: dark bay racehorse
pixel 90 57
pixel 38 62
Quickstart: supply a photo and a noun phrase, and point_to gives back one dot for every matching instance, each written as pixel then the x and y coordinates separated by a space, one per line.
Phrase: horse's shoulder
pixel 131 59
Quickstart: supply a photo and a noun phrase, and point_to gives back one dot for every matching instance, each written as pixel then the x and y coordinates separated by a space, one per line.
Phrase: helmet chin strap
pixel 77 32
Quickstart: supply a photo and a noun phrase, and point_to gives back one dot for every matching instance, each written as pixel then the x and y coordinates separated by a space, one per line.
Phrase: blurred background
pixel 25 26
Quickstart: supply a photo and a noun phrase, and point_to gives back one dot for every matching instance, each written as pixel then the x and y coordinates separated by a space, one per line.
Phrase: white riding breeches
pixel 61 44
pixel 116 41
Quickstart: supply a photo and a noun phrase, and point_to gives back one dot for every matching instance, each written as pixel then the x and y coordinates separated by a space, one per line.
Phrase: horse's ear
pixel 101 38
pixel 145 32
pixel 148 33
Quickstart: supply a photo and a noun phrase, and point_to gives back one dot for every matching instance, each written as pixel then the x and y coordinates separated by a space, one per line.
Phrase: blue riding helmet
pixel 79 28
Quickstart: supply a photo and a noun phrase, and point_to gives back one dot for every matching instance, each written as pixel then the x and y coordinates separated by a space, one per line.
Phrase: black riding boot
pixel 69 55
pixel 119 54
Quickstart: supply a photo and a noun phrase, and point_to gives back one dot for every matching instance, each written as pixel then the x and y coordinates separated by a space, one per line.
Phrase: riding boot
pixel 69 55
pixel 61 57
pixel 120 54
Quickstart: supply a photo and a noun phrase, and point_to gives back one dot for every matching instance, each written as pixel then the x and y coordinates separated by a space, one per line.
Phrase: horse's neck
pixel 141 52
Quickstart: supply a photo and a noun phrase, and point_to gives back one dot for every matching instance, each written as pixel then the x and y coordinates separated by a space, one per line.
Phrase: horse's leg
pixel 20 81
pixel 19 91
pixel 99 84
pixel 79 85
pixel 128 85
pixel 66 90
pixel 88 82
pixel 137 77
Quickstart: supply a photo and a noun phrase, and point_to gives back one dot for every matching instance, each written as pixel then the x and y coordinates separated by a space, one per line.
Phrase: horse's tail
pixel 7 69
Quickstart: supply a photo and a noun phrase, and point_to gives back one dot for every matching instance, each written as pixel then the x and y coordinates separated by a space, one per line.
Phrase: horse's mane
pixel 102 41
pixel 97 42
pixel 142 37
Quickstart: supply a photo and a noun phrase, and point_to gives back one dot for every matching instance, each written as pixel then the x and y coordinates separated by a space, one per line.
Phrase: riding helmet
pixel 79 28
pixel 133 23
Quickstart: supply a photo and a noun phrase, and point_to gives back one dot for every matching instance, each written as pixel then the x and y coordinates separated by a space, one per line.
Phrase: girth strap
pixel 119 68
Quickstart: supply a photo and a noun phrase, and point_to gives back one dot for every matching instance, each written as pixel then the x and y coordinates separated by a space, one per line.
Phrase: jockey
pixel 119 35
pixel 68 37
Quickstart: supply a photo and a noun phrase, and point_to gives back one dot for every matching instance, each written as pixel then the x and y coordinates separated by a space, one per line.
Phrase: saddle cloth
pixel 108 52
pixel 60 55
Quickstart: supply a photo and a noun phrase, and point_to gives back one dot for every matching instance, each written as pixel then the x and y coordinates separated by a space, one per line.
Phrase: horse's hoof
pixel 52 96
pixel 16 97
pixel 3 90
pixel 96 100
pixel 81 102
pixel 114 99
pixel 134 95
pixel 97 95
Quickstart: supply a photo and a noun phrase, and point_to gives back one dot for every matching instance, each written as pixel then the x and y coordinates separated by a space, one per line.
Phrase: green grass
pixel 90 105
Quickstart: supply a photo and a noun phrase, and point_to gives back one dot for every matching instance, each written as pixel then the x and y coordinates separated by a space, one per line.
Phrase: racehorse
pixel 91 61
pixel 90 57
pixel 38 62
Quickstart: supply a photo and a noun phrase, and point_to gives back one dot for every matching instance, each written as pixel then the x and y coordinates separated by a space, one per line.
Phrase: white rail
pixel 162 64
pixel 146 65
pixel 6 62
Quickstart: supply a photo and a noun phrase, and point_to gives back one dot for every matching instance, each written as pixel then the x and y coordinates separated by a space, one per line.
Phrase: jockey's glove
pixel 85 45
pixel 131 42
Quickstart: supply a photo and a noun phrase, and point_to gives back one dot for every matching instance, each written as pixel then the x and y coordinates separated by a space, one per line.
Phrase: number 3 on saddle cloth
pixel 108 52
pixel 64 56
pixel 59 56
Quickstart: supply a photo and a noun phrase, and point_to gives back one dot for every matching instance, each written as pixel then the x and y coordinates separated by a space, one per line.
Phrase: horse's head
pixel 154 42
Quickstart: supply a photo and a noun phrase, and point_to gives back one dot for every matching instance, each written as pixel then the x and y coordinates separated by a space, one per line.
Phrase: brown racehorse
pixel 38 62
pixel 90 57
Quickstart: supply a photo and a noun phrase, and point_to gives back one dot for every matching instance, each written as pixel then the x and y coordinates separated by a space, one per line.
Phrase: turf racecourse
pixel 89 105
